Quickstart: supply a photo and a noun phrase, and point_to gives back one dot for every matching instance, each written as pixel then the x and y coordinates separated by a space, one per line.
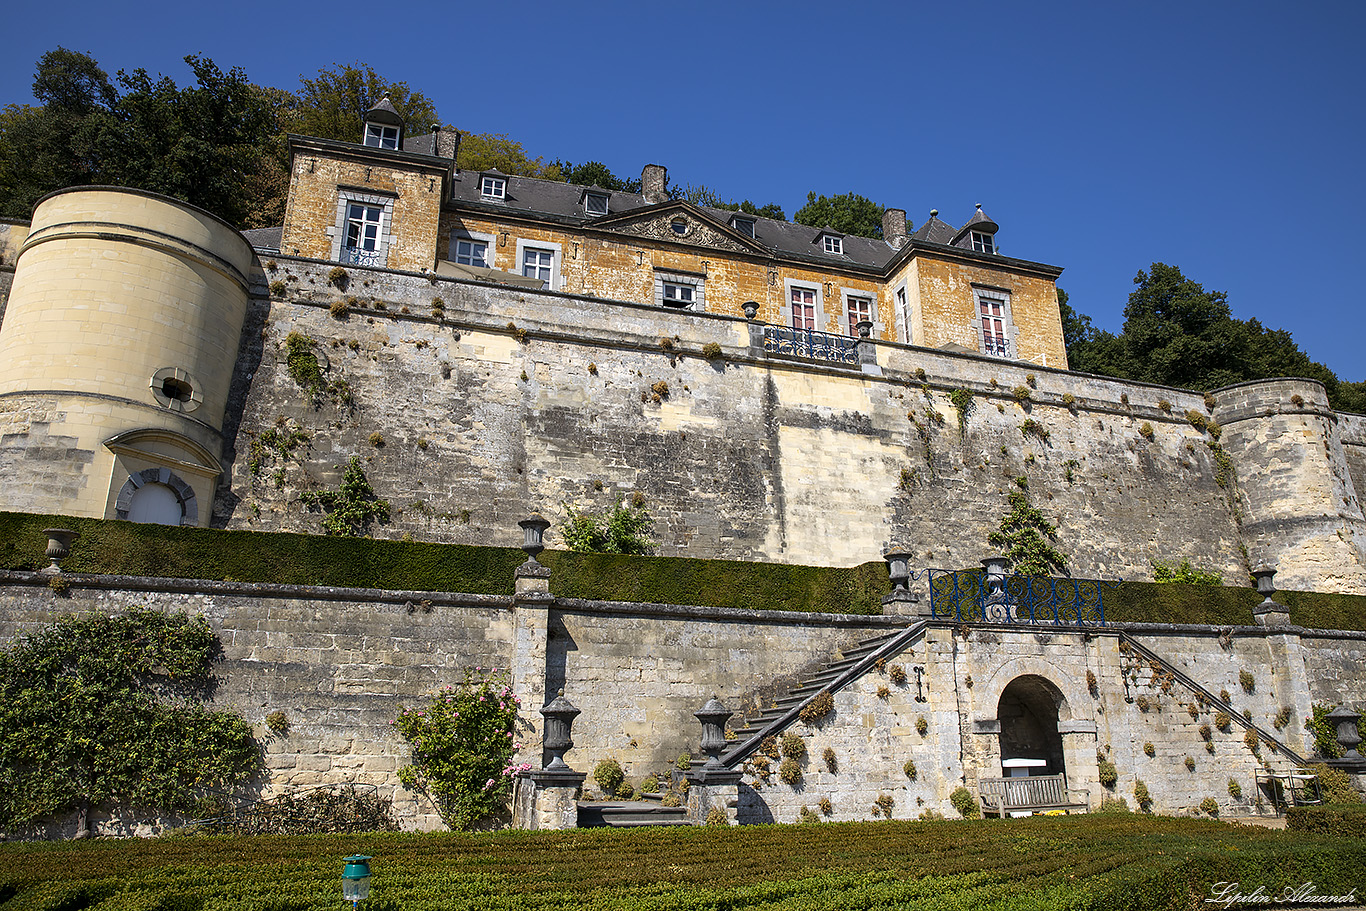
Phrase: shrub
pixel 1297 400
pixel 1209 401
pixel 831 763
pixel 1165 405
pixel 1108 774
pixel 683 762
pixel 626 792
pixel 1143 703
pixel 1034 428
pixel 1343 821
pixel 351 508
pixel 277 723
pixel 1210 806
pixel 340 309
pixel 1022 393
pixel 711 351
pixel 1253 742
pixel 277 288
pixel 462 748
pixel 1222 720
pixel 1197 420
pixel 1324 731
pixel 818 708
pixel 794 747
pixel 886 804
pixel 608 775
pixel 1235 790
pixel 789 772
pixel 1190 763
pixel 650 785
pixel 1205 733
pixel 825 806
pixel 1149 750
pixel 717 817
pixel 670 799
pixel 1224 696
pixel 897 674
pixel 623 530
pixel 1069 400
pixel 909 769
pixel 329 810
pixel 922 726
pixel 1185 574
pixel 1335 785
pixel 1283 717
pixel 1193 710
pixel 1145 430
pixel 1246 680
pixel 883 692
pixel 376 439
pixel 1142 798
pixel 965 803
pixel 808 815
pixel 1111 805
pixel 761 766
pixel 769 747
pixel 338 278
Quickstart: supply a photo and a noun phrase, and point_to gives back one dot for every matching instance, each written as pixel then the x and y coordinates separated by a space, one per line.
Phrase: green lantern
pixel 356 879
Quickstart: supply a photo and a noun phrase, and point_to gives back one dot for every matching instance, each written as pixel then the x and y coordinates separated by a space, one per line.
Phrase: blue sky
pixel 1224 138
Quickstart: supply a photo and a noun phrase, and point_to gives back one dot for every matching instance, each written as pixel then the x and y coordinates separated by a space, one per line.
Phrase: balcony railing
pixel 821 346
pixel 359 256
pixel 973 596
pixel 996 345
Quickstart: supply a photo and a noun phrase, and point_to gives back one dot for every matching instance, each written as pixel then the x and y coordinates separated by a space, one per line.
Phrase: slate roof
pixel 265 239
pixel 935 231
pixel 563 202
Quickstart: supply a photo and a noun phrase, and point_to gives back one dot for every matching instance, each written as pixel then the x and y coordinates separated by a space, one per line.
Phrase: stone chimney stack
pixel 894 227
pixel 652 182
pixel 447 141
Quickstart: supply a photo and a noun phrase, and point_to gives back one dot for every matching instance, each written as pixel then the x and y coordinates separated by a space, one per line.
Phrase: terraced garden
pixel 1110 862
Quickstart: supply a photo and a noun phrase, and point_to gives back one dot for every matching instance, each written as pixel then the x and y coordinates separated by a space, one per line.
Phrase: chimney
pixel 652 181
pixel 447 141
pixel 894 227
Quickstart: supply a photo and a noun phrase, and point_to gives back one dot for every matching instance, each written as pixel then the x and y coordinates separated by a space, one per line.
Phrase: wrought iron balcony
pixel 996 345
pixel 974 596
pixel 821 346
pixel 359 256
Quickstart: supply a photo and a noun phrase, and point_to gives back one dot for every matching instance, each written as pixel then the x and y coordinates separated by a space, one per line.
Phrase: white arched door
pixel 156 504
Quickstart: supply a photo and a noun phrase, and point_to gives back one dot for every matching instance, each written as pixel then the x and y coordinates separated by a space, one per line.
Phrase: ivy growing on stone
pixel 352 508
pixel 962 403
pixel 104 712
pixel 623 530
pixel 1026 537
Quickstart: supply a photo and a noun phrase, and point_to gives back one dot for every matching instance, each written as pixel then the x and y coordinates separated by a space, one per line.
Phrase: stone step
pixel 628 813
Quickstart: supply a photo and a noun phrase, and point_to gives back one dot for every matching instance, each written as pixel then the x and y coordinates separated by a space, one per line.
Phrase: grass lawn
pixel 1110 862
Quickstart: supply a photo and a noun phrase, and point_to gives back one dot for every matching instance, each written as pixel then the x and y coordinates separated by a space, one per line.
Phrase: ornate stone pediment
pixel 679 226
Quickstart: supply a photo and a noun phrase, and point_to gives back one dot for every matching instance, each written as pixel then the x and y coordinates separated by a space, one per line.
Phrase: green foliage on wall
pixel 353 507
pixel 1185 573
pixel 101 711
pixel 463 744
pixel 621 530
pixel 1026 537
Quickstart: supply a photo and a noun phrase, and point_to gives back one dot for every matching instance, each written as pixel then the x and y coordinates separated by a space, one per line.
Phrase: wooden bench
pixel 1035 794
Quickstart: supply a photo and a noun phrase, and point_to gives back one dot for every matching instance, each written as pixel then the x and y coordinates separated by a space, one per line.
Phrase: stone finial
pixel 559 717
pixel 894 227
pixel 534 528
pixel 1268 613
pixel 653 183
pixel 899 572
pixel 713 716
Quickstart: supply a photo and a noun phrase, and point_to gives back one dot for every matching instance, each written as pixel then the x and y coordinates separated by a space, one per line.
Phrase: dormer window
pixel 379 136
pixel 745 226
pixel 983 243
pixel 595 203
pixel 492 187
pixel 834 244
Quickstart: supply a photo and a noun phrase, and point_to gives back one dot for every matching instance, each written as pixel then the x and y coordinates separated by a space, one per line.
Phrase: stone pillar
pixel 866 349
pixel 532 603
pixel 549 798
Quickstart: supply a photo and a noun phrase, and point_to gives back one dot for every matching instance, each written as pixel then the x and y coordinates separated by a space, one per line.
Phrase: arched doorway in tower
pixel 1028 713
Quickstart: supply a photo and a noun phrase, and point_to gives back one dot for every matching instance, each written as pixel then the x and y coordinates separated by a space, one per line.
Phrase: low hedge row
pixel 1339 820
pixel 1115 863
pixel 125 548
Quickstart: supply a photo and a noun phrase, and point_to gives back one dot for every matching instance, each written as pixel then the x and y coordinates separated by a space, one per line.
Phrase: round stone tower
pixel 116 355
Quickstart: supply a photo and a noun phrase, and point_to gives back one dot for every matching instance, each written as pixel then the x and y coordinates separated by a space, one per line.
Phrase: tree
pixel 100 710
pixel 485 151
pixel 333 105
pixel 594 173
pixel 771 210
pixel 1026 537
pixel 623 530
pixel 848 213
pixel 702 195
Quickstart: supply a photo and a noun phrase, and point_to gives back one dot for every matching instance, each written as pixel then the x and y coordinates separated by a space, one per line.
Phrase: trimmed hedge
pixel 1338 820
pixel 126 548
pixel 1114 863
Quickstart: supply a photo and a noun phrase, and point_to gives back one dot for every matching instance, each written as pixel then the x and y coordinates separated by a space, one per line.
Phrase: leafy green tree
pixel 594 173
pixel 849 213
pixel 702 195
pixel 1027 537
pixel 485 151
pixel 771 210
pixel 100 711
pixel 333 104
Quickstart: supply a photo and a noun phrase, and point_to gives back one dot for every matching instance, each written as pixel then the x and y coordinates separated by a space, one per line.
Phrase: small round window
pixel 679 225
pixel 175 389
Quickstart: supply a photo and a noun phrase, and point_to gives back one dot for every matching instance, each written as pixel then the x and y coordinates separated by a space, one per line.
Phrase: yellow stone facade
pixel 120 338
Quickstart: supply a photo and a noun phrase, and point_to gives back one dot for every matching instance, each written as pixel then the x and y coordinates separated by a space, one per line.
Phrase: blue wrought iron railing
pixel 809 343
pixel 996 345
pixel 359 256
pixel 973 596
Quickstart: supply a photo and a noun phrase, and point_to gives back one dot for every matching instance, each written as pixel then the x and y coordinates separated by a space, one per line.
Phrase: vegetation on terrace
pixel 1111 862
pixel 124 548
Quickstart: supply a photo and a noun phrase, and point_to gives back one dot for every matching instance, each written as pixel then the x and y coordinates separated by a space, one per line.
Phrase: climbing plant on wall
pixel 1027 537
pixel 463 745
pixel 102 711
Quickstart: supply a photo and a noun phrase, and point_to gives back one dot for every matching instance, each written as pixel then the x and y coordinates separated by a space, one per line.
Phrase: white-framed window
pixel 492 187
pixel 364 227
pixel 744 226
pixel 993 323
pixel 683 290
pixel 903 315
pixel 380 136
pixel 680 226
pixel 857 309
pixel 834 244
pixel 595 203
pixel 539 259
pixel 983 243
pixel 471 252
pixel 802 306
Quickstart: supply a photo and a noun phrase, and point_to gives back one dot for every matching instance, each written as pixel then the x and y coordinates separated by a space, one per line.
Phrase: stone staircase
pixel 627 813
pixel 852 664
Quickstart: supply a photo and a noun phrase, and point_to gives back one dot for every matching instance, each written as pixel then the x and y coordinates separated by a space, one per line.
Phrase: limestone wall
pixel 743 456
